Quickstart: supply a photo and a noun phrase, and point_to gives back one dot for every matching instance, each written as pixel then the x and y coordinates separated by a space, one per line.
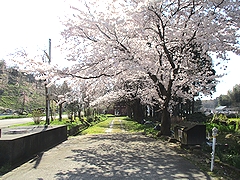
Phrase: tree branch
pixel 87 36
pixel 91 77
pixel 163 91
pixel 102 31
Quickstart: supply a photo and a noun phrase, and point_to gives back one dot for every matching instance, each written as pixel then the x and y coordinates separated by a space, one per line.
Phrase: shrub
pixel 232 159
pixel 37 116
pixel 196 117
pixel 219 118
pixel 220 127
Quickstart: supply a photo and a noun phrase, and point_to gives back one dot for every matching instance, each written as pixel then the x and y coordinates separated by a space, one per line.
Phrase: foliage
pixel 231 159
pixel 219 118
pixel 236 122
pixel 220 127
pixel 60 92
pixel 221 122
pixel 224 100
pixel 228 139
pixel 232 98
pixel 234 95
pixel 227 149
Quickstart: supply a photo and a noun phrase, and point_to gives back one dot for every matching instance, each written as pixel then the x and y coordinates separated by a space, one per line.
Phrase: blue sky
pixel 29 24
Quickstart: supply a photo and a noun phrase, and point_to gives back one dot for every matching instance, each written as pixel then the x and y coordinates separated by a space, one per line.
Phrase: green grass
pixel 14 116
pixel 133 126
pixel 99 128
pixel 25 124
pixel 128 124
pixel 43 122
pixel 55 122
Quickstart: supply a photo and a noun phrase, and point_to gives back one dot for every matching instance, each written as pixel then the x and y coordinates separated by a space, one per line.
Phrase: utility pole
pixel 47 92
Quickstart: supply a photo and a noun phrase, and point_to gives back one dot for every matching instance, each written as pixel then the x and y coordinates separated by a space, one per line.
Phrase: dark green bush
pixel 233 160
pixel 196 117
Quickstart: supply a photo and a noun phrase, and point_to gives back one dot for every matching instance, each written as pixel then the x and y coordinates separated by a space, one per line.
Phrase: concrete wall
pixel 14 151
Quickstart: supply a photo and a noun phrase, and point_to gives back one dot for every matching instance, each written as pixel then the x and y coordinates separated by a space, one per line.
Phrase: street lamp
pixel 214 134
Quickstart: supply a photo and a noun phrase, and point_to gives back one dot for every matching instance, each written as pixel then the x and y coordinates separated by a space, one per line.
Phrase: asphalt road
pixel 108 157
pixel 9 122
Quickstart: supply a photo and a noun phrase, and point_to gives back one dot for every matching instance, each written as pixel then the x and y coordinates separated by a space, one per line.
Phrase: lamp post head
pixel 214 132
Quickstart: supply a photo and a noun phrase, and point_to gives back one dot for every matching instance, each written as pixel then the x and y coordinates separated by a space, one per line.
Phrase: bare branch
pixel 102 31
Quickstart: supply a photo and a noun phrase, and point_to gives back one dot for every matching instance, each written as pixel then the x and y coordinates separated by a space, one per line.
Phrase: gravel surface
pixel 108 156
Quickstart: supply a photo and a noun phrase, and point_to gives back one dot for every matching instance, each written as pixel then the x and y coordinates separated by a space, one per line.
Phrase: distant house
pixel 221 109
pixel 228 111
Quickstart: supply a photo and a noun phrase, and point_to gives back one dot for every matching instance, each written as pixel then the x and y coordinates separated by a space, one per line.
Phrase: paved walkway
pixel 108 156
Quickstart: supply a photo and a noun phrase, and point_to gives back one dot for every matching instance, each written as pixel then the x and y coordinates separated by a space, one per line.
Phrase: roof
pixel 221 108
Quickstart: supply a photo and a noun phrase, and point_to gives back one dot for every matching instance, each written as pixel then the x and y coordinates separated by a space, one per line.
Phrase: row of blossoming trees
pixel 154 52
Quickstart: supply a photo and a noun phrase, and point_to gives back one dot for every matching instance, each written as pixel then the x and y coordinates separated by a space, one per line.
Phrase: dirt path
pixel 108 156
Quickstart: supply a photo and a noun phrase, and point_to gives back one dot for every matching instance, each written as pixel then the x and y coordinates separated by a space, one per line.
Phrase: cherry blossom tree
pixel 170 43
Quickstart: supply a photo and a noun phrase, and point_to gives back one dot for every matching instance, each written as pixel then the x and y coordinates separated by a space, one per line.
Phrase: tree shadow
pixel 37 160
pixel 128 156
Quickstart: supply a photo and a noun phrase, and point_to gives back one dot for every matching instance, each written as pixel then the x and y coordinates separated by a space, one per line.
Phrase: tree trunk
pixel 165 122
pixel 157 113
pixel 164 91
pixel 79 113
pixel 138 114
pixel 60 112
pixel 80 118
pixel 129 111
pixel 193 104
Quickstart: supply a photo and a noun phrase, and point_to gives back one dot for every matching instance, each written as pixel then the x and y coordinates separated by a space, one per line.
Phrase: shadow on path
pixel 37 160
pixel 128 156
